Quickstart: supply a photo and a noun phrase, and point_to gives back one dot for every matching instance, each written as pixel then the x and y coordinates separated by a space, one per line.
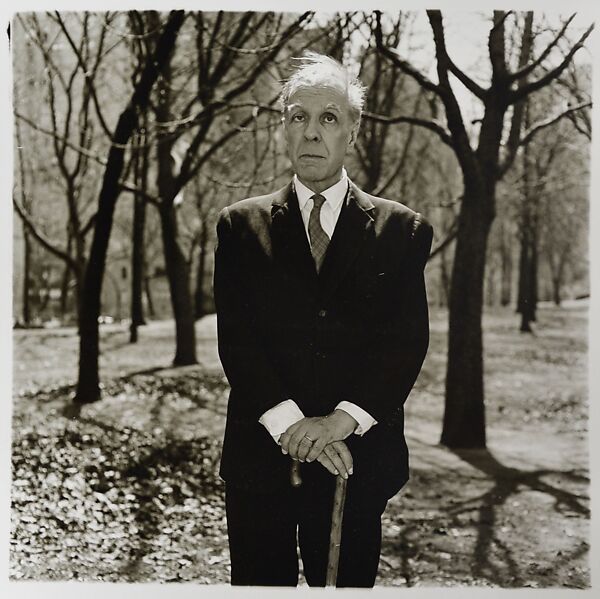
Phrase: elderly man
pixel 323 328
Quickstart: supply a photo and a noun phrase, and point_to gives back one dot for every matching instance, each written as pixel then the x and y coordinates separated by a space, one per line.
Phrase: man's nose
pixel 311 132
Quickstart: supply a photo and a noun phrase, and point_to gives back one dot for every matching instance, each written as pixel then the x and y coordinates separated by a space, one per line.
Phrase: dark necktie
pixel 318 238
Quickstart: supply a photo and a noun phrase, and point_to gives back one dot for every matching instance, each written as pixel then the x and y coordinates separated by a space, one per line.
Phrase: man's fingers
pixel 333 455
pixel 307 439
pixel 327 463
pixel 316 449
pixel 297 445
pixel 344 454
pixel 340 455
pixel 284 441
pixel 304 448
pixel 287 436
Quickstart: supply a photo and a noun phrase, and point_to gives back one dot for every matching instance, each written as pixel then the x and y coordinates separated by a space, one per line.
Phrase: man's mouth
pixel 311 156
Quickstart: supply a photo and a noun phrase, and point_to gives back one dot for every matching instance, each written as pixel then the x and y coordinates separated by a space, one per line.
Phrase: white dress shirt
pixel 283 415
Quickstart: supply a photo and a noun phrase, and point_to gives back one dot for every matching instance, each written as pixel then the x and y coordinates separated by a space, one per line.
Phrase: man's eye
pixel 297 118
pixel 329 118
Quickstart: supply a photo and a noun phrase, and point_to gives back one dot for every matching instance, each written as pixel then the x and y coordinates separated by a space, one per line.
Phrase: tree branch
pixel 525 90
pixel 87 76
pixel 535 129
pixel 500 19
pixel 585 130
pixel 527 69
pixel 152 199
pixel 41 238
pixel 496 46
pixel 460 138
pixel 450 237
pixel 403 65
pixel 431 125
pixel 512 143
pixel 66 142
pixel 443 56
pixel 186 166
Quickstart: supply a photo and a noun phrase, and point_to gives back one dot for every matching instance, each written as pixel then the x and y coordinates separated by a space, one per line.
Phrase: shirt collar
pixel 333 195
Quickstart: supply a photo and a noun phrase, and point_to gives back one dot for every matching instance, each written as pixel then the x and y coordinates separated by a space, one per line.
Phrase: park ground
pixel 126 489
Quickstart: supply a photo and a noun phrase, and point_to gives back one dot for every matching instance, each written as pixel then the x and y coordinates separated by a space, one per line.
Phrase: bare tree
pixel 141 166
pixel 140 174
pixel 482 167
pixel 25 202
pixel 227 66
pixel 529 237
pixel 88 387
pixel 69 108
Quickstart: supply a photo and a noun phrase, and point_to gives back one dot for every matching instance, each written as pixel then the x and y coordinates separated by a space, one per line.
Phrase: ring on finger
pixel 308 439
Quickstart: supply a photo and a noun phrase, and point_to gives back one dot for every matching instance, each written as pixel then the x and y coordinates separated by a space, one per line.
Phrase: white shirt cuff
pixel 278 419
pixel 364 419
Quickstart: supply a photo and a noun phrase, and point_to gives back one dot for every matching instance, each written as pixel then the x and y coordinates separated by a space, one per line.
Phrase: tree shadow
pixel 145 372
pixel 176 461
pixel 209 401
pixel 495 556
pixel 507 481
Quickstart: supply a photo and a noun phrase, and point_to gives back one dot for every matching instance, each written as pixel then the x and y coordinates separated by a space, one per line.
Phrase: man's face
pixel 319 131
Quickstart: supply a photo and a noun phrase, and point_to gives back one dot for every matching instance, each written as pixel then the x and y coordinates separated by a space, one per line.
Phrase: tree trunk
pixel 534 267
pixel 78 289
pixel 44 295
pixel 528 261
pixel 26 278
pixel 148 293
pixel 137 251
pixel 556 290
pixel 527 313
pixel 176 265
pixel 491 284
pixel 178 275
pixel 137 265
pixel 88 383
pixel 523 261
pixel 464 414
pixel 443 296
pixel 117 312
pixel 525 308
pixel 64 291
pixel 199 311
pixel 528 280
pixel 505 269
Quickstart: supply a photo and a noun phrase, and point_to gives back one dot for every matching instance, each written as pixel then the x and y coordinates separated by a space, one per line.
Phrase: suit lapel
pixel 354 226
pixel 291 249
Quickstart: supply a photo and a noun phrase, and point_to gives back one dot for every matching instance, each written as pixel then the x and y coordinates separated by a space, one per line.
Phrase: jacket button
pixel 322 313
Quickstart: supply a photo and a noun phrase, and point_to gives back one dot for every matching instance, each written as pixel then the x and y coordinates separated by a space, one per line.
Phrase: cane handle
pixel 295 478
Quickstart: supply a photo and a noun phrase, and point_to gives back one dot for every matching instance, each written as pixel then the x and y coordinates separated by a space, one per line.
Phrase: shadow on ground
pixel 482 522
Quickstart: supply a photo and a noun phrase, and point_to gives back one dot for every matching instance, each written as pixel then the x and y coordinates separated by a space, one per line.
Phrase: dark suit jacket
pixel 356 331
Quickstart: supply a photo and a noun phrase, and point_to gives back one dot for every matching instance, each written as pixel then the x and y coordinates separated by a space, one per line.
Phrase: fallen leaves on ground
pixel 126 489
pixel 92 501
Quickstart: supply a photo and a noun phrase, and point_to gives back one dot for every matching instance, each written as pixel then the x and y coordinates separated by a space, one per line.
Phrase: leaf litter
pixel 127 489
pixel 92 501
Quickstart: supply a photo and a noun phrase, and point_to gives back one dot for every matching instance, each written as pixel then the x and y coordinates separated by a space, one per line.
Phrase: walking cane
pixel 337 513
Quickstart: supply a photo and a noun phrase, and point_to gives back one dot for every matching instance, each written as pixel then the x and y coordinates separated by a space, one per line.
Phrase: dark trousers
pixel 266 528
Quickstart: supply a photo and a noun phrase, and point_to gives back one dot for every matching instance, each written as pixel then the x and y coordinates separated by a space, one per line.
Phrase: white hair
pixel 317 70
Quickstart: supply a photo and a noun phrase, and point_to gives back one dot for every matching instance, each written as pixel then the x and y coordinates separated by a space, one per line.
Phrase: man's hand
pixel 306 439
pixel 336 457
